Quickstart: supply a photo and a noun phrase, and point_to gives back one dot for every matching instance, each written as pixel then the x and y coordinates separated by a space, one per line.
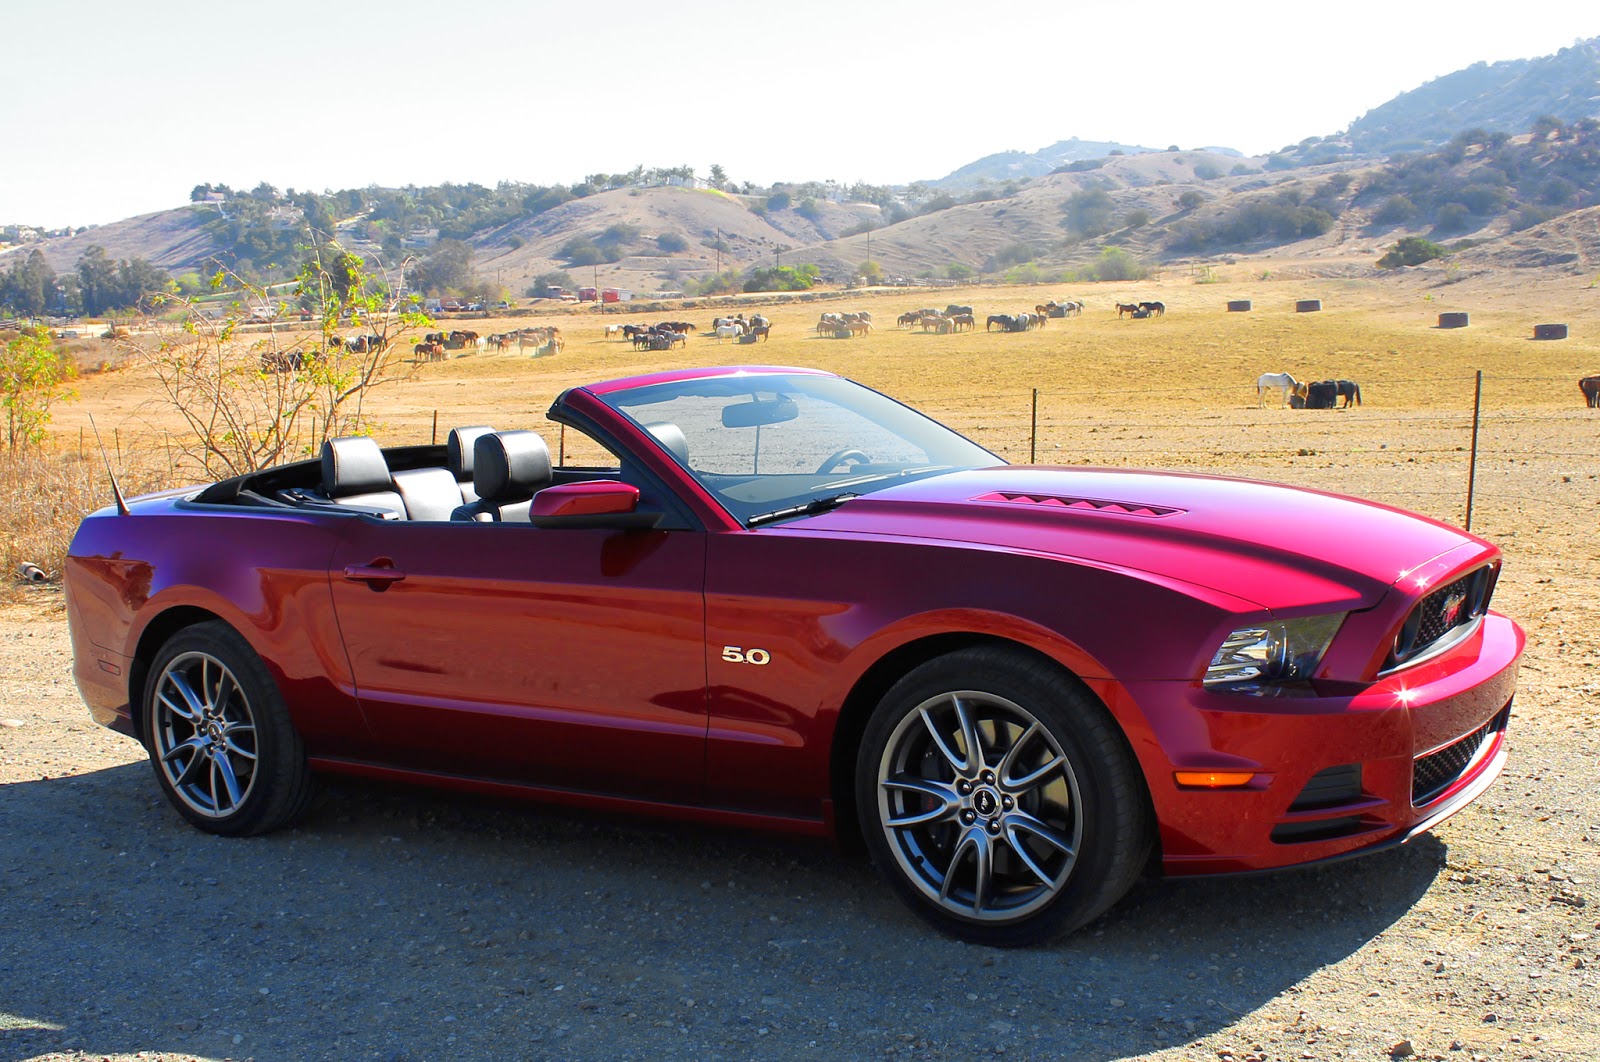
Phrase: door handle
pixel 377 576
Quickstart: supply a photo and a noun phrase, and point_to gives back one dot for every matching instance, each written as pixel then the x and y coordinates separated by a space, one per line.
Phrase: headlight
pixel 1269 654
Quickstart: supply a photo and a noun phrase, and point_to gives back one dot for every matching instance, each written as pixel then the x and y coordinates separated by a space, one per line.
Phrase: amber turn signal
pixel 1213 779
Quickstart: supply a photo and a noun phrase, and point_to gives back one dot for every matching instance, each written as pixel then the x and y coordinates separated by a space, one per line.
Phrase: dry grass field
pixel 1175 391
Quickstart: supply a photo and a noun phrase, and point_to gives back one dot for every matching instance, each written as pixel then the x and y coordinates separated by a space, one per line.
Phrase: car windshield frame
pixel 751 440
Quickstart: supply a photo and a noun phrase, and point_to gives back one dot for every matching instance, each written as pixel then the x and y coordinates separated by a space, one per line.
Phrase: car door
pixel 569 658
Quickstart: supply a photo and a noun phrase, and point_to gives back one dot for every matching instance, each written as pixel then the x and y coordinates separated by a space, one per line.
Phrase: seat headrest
pixel 670 436
pixel 458 449
pixel 510 465
pixel 353 464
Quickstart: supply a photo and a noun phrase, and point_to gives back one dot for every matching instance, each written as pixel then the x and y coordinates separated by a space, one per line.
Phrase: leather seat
pixel 458 457
pixel 354 472
pixel 508 469
pixel 428 493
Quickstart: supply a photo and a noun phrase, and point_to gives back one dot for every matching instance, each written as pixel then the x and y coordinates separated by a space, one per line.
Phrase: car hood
pixel 1281 547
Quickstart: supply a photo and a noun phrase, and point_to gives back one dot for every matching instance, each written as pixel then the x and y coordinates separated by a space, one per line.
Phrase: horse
pixel 1590 386
pixel 860 327
pixel 614 330
pixel 1348 390
pixel 1127 307
pixel 906 320
pixel 1319 395
pixel 1156 308
pixel 1005 321
pixel 963 320
pixel 762 332
pixel 731 329
pixel 428 351
pixel 1285 384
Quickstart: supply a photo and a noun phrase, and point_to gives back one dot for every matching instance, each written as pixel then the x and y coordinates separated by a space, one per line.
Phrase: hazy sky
pixel 110 108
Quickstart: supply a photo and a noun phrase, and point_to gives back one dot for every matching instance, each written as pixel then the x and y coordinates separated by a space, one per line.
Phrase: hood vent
pixel 1053 501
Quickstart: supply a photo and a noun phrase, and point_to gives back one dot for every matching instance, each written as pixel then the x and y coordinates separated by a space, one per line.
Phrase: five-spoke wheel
pixel 999 797
pixel 219 736
pixel 204 738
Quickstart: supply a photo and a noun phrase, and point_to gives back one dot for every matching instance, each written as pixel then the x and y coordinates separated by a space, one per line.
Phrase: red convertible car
pixel 792 603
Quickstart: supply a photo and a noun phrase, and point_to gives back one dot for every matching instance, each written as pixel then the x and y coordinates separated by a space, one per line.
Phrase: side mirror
pixel 602 503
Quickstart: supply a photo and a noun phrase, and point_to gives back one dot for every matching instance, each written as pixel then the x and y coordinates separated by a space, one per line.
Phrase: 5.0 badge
pixel 734 654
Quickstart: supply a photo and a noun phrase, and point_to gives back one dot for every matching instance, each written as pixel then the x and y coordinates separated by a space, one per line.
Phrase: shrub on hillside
pixel 671 243
pixel 1410 251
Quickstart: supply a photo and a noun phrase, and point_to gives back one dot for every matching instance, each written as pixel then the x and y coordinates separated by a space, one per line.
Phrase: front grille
pixel 1450 609
pixel 1437 771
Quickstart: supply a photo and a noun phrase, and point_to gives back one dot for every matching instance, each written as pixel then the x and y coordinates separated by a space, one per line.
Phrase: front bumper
pixel 1339 771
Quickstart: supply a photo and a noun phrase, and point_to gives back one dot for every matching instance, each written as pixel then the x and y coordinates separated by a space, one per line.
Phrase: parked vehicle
pixel 791 603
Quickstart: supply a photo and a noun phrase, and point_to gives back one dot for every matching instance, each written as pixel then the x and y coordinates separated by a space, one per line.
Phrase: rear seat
pixel 355 473
pixel 428 493
pixel 458 457
pixel 508 469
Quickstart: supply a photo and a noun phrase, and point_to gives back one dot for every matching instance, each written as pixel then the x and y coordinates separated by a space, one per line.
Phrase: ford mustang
pixel 791 603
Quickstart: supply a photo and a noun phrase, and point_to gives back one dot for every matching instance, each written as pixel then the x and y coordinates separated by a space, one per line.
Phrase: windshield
pixel 767 442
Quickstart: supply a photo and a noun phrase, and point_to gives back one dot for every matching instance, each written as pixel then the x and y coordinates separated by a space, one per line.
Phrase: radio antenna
pixel 116 491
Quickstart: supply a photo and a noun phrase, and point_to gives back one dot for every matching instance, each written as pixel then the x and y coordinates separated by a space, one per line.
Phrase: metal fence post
pixel 1033 431
pixel 1472 462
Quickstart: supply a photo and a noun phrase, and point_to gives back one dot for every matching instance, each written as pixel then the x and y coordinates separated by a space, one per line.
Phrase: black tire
pixel 219 736
pixel 1039 835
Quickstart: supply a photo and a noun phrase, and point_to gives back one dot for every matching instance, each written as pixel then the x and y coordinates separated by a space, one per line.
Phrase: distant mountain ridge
pixel 1025 165
pixel 1499 97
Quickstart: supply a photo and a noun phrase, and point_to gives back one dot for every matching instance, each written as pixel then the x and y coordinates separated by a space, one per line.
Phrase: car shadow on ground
pixel 399 923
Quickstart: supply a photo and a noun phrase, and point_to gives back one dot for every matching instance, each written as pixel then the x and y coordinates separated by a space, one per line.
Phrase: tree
pixel 671 243
pixel 1088 212
pixel 248 399
pixel 1410 251
pixel 33 376
pixel 29 287
pixel 447 268
pixel 779 201
pixel 719 177
pixel 872 271
pixel 1136 219
pixel 1190 199
pixel 959 271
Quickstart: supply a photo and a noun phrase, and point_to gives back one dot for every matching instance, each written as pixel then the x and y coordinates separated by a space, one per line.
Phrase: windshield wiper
pixel 815 505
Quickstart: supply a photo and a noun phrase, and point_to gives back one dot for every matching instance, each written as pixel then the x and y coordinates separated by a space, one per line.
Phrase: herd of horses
pixel 1323 394
pixel 297 360
pixel 438 346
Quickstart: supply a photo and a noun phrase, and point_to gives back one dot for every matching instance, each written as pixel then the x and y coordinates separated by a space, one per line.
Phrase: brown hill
pixel 169 239
pixel 520 251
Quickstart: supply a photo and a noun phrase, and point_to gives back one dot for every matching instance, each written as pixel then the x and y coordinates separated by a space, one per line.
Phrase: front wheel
pixel 999 798
pixel 219 735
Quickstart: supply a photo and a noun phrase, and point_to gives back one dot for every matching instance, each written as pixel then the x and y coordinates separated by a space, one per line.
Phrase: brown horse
pixel 1590 386
pixel 1127 307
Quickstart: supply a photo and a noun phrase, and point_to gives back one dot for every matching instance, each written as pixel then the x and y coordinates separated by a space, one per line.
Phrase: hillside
pixel 1506 97
pixel 167 239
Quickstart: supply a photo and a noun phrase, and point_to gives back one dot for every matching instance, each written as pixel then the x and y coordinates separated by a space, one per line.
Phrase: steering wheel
pixel 847 454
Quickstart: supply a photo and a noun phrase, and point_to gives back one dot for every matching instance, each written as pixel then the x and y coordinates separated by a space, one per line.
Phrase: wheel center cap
pixel 984 802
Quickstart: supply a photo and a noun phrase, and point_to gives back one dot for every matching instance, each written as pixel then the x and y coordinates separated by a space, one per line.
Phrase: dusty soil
pixel 412 925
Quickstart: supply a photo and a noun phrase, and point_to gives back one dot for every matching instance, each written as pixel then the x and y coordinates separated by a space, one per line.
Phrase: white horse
pixel 613 330
pixel 1281 382
pixel 731 330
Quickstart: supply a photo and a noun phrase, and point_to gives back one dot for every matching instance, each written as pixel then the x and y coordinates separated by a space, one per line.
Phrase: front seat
pixel 355 473
pixel 508 469
pixel 458 456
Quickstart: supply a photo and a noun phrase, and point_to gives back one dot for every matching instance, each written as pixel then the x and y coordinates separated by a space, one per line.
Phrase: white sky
pixel 110 108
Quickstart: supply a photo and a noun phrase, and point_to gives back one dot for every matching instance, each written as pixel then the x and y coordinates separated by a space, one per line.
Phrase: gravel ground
pixel 401 924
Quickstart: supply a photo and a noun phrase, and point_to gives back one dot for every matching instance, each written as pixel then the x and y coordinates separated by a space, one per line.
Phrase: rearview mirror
pixel 757 412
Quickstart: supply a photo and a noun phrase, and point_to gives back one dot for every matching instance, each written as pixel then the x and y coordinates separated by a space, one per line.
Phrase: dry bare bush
pixel 251 398
pixel 46 491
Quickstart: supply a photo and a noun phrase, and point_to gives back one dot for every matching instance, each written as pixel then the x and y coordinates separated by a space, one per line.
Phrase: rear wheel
pixel 219 735
pixel 999 799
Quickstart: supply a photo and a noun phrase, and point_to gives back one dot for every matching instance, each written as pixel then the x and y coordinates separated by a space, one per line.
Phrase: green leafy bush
pixel 1410 251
